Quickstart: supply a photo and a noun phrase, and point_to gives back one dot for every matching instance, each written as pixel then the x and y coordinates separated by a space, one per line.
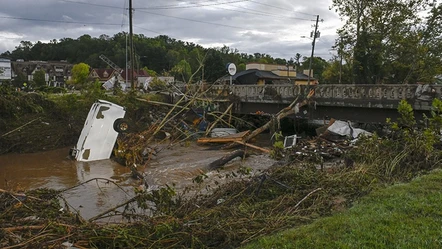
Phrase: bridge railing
pixel 380 92
pixel 262 93
pixel 363 96
pixel 256 90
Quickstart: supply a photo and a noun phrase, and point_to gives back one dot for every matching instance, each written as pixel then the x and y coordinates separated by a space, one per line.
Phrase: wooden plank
pixel 226 139
pixel 253 146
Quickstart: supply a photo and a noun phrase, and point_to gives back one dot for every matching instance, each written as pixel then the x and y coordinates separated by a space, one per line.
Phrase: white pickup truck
pixel 100 131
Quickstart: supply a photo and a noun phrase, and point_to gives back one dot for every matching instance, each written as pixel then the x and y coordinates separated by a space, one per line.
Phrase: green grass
pixel 401 216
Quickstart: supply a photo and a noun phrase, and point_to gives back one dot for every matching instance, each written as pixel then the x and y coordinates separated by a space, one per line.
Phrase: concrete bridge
pixel 359 103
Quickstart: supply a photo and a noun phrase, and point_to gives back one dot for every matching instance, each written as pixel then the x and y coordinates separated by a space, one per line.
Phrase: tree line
pixel 389 41
pixel 161 55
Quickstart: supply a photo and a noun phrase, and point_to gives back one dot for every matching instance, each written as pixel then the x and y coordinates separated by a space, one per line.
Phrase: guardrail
pixel 363 96
pixel 369 92
pixel 390 92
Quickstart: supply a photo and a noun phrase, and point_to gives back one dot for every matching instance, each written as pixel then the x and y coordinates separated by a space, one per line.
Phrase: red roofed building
pixel 102 74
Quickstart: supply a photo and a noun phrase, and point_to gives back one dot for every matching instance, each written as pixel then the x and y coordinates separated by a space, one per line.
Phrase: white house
pixel 5 69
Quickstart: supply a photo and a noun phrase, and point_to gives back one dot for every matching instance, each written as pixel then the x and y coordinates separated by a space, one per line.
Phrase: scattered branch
pixel 16 129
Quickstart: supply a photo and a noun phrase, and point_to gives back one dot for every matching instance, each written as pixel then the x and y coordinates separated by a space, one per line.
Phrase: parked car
pixel 100 131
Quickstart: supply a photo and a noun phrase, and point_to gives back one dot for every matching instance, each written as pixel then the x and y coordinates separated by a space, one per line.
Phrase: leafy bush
pixel 51 89
pixel 157 84
pixel 407 150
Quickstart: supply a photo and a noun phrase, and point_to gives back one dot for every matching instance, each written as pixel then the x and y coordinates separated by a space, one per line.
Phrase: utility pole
pixel 315 34
pixel 340 59
pixel 131 43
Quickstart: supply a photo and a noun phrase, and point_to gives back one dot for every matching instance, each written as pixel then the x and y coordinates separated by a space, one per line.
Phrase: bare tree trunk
pixel 225 159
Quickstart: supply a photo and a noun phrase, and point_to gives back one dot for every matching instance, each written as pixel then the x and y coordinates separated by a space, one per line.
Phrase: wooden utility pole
pixel 131 43
pixel 340 59
pixel 315 34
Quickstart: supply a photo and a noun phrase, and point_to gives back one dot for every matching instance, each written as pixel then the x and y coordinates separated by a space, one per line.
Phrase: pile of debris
pixel 332 142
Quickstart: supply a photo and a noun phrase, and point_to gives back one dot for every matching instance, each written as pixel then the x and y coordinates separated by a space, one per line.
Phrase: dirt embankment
pixel 31 122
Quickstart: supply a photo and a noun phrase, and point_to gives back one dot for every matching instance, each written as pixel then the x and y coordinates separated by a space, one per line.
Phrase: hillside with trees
pixel 161 55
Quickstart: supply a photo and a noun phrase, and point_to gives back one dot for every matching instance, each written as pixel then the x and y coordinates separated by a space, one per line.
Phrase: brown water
pixel 52 169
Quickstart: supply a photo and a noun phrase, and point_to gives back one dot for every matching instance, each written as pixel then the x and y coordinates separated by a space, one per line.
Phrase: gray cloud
pixel 253 26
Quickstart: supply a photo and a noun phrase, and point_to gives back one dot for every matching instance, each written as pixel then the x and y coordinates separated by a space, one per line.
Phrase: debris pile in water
pixel 228 216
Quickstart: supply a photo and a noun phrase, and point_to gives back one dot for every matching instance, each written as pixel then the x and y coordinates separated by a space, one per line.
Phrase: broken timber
pixel 225 159
pixel 293 108
pixel 225 139
pixel 253 146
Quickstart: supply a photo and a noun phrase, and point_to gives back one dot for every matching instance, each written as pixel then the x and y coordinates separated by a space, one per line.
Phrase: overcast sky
pixel 273 27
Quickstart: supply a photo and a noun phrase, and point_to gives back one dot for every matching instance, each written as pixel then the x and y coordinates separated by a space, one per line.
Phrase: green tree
pixel 23 50
pixel 39 78
pixel 383 37
pixel 318 66
pixel 182 70
pixel 160 54
pixel 80 75
pixel 214 66
pixel 151 73
pixel 241 67
pixel 336 72
pixel 297 63
pixel 19 79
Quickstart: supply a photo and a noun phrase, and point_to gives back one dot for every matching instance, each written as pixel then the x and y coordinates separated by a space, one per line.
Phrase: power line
pixel 58 21
pixel 124 14
pixel 193 5
pixel 203 4
pixel 267 14
pixel 191 20
pixel 280 8
pixel 223 3
pixel 153 31
pixel 92 4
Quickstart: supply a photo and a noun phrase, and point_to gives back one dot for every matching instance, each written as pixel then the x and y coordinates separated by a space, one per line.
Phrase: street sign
pixel 231 68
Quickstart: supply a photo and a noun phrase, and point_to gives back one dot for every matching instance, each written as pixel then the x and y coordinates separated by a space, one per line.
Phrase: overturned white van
pixel 100 132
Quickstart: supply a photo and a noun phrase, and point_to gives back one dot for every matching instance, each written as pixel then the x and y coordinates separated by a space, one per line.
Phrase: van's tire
pixel 121 125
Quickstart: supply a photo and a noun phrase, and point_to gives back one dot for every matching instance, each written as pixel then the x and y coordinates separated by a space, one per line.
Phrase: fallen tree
pixel 225 159
pixel 293 108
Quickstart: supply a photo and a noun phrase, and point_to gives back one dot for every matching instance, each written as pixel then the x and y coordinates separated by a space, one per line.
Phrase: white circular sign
pixel 231 68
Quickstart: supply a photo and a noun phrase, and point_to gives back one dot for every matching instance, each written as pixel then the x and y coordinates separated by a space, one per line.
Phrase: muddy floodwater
pixel 176 166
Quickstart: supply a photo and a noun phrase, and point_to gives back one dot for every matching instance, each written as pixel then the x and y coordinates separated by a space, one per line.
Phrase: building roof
pixel 102 73
pixel 302 76
pixel 251 76
pixel 28 67
pixel 137 73
pixel 258 73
